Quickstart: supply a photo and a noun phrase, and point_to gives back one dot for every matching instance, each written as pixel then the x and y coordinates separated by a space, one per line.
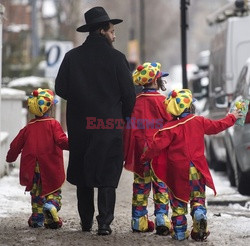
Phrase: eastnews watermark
pixel 131 123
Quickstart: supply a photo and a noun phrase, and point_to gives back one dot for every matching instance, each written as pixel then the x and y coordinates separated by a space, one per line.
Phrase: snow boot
pixel 163 225
pixel 180 235
pixel 36 220
pixel 199 231
pixel 34 224
pixel 180 232
pixel 52 220
pixel 142 224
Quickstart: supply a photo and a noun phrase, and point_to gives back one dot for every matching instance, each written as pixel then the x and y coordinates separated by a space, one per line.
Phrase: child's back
pixel 42 168
pixel 148 116
pixel 179 160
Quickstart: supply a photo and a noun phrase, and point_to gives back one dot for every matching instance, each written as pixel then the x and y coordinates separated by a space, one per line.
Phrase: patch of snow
pixel 17 28
pixel 9 93
pixel 12 197
pixel 33 81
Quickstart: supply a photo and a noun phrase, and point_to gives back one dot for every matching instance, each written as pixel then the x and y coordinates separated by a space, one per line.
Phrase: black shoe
pixel 87 227
pixel 104 230
pixel 202 234
pixel 162 230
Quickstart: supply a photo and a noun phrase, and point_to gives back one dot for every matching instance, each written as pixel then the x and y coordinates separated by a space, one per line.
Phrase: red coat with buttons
pixel 42 141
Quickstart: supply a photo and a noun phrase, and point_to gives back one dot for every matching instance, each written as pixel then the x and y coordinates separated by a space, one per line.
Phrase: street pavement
pixel 228 218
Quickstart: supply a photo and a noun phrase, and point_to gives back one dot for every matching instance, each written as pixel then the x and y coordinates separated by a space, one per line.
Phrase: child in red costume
pixel 180 162
pixel 42 168
pixel 148 116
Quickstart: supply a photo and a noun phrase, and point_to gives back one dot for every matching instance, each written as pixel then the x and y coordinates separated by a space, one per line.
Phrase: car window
pixel 241 87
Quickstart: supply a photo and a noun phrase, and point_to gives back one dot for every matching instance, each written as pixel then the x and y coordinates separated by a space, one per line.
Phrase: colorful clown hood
pixel 40 101
pixel 178 100
pixel 148 73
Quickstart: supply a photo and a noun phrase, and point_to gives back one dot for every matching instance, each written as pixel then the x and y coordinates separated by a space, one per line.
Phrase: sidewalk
pixel 229 225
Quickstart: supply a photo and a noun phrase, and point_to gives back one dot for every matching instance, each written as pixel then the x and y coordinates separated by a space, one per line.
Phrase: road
pixel 228 218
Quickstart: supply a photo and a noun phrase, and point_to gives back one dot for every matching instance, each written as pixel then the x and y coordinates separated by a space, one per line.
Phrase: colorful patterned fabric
pixel 51 207
pixel 50 210
pixel 140 224
pixel 177 101
pixel 40 101
pixel 148 73
pixel 38 201
pixel 141 190
pixel 197 202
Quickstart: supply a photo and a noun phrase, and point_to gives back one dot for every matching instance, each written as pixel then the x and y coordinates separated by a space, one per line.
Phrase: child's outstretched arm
pixel 216 126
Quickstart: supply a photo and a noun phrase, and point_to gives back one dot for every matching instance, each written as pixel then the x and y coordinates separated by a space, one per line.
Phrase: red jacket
pixel 177 144
pixel 148 116
pixel 42 141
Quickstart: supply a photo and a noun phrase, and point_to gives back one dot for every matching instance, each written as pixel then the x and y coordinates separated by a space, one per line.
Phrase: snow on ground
pixel 12 198
pixel 225 192
pixel 11 193
pixel 229 225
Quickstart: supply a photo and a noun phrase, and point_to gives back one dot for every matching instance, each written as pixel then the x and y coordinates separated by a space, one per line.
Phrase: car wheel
pixel 214 162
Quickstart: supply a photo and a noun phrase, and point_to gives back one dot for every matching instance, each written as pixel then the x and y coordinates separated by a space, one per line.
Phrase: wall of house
pixel 4 167
pixel 13 118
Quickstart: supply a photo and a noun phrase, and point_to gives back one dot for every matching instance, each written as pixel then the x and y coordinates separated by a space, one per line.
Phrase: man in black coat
pixel 95 80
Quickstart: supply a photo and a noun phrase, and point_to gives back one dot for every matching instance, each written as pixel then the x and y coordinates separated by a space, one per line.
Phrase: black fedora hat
pixel 94 17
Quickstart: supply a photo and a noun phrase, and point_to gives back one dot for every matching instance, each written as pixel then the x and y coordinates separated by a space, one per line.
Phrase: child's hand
pixel 237 113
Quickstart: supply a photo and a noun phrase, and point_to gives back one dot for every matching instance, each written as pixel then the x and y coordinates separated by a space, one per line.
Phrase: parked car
pixel 237 139
pixel 229 49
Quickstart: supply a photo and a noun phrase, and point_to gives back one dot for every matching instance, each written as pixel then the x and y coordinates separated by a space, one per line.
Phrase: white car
pixel 237 139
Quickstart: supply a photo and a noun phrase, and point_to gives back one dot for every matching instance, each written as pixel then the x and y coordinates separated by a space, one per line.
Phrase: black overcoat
pixel 96 81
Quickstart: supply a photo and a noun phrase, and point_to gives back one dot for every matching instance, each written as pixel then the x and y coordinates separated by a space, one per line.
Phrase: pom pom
pixel 174 94
pixel 151 226
pixel 35 93
pixel 139 68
